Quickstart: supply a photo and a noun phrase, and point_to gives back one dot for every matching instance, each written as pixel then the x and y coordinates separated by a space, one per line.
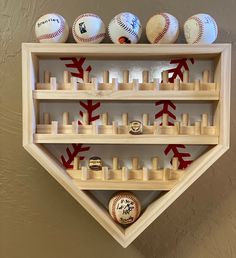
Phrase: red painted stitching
pixel 56 33
pixel 165 29
pixel 90 108
pixel 90 38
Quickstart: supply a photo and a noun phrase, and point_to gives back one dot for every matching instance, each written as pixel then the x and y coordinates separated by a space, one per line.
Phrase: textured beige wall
pixel 38 218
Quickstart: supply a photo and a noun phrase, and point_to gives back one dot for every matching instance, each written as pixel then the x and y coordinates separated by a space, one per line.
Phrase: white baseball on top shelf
pixel 200 29
pixel 88 28
pixel 162 28
pixel 51 28
pixel 125 28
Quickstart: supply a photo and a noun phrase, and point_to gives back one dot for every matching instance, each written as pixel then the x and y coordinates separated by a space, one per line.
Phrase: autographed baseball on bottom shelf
pixel 162 28
pixel 125 28
pixel 88 28
pixel 200 29
pixel 51 28
pixel 124 207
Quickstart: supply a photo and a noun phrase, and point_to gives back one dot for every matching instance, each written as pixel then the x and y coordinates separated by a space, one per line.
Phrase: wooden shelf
pixel 125 95
pixel 129 139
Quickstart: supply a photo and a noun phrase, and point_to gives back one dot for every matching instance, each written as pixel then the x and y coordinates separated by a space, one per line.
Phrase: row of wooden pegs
pixel 182 127
pixel 123 174
pixel 71 83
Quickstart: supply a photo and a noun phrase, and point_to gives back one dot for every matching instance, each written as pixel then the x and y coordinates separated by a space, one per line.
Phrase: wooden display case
pixel 175 181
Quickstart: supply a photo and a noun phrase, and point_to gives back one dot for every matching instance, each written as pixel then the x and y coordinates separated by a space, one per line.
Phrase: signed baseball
pixel 124 207
pixel 125 28
pixel 88 28
pixel 200 29
pixel 51 28
pixel 162 28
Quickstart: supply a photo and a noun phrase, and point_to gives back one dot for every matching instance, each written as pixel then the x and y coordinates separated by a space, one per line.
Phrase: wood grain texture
pixel 44 223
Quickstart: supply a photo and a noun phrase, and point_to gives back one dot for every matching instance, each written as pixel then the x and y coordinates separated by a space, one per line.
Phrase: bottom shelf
pixel 126 179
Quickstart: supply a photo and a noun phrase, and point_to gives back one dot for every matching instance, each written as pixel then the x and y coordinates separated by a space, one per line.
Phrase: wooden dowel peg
pixel 85 118
pixel 204 120
pixel 156 83
pixel 125 118
pixel 175 163
pixel 74 83
pixel 115 84
pixel 145 119
pixel 165 118
pixel 76 164
pixel 164 77
pixel 94 81
pixel 75 127
pixel 66 77
pixel 86 76
pixel 84 173
pixel 105 173
pixel 53 83
pixel 54 127
pixel 145 76
pixel 177 126
pixel 115 163
pixel 197 85
pixel 166 174
pixel 186 76
pixel 126 76
pixel 185 119
pixel 145 174
pixel 155 163
pixel 115 127
pixel 94 128
pixel 124 174
pixel 135 163
pixel 155 127
pixel 46 118
pixel 105 118
pixel 135 84
pixel 206 76
pixel 106 77
pixel 65 118
pixel 197 129
pixel 176 84
pixel 46 76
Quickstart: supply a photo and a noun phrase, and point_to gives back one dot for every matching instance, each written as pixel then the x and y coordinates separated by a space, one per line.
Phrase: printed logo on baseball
pixel 124 207
pixel 125 28
pixel 200 29
pixel 51 28
pixel 162 28
pixel 88 28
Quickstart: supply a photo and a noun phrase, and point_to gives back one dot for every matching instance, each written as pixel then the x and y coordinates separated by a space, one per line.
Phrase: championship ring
pixel 135 127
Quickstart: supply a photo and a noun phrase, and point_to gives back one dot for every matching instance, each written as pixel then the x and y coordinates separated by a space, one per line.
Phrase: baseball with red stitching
pixel 200 29
pixel 51 28
pixel 124 207
pixel 125 28
pixel 88 28
pixel 162 28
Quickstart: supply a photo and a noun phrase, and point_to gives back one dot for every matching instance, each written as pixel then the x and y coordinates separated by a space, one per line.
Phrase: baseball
pixel 124 207
pixel 162 28
pixel 51 28
pixel 88 28
pixel 125 28
pixel 200 29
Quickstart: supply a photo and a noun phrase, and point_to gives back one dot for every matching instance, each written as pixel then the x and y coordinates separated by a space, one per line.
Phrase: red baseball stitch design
pixel 76 64
pixel 168 106
pixel 77 148
pixel 201 28
pixel 88 105
pixel 165 29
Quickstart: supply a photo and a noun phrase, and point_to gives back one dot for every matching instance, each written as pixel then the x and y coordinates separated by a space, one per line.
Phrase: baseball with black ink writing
pixel 124 207
pixel 51 28
pixel 88 28
pixel 162 28
pixel 125 28
pixel 200 29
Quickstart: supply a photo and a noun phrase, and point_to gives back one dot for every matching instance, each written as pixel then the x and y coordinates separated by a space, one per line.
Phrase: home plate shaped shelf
pixel 133 108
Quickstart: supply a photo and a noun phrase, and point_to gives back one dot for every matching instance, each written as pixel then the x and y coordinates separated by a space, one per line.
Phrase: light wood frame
pixel 221 53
